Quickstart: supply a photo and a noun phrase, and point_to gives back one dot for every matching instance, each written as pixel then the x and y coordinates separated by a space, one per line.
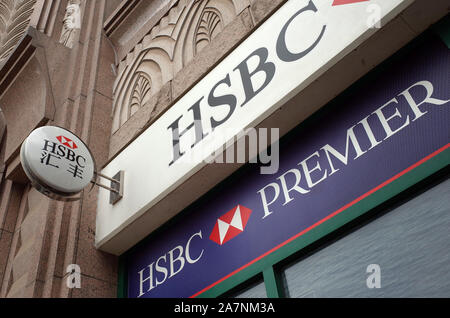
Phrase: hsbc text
pixel 395 115
pixel 255 73
pixel 168 265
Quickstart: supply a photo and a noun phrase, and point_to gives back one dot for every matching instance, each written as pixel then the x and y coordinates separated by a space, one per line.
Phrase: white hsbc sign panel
pixel 297 44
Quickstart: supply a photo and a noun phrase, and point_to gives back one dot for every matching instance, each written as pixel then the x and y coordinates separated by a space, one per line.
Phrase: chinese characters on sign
pixel 62 152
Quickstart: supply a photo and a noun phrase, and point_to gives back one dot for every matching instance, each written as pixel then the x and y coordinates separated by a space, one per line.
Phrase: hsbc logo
pixel 67 142
pixel 230 225
pixel 227 227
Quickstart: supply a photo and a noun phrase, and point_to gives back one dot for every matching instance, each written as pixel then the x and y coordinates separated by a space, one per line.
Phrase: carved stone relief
pixel 140 93
pixel 71 24
pixel 170 45
pixel 208 27
pixel 14 20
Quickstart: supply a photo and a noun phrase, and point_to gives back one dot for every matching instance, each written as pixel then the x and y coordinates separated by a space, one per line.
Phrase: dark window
pixel 410 243
pixel 255 290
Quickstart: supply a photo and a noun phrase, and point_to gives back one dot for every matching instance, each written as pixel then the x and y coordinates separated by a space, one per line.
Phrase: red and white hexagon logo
pixel 230 224
pixel 67 142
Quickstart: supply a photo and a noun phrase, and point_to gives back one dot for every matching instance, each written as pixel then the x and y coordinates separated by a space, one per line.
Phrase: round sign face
pixel 57 162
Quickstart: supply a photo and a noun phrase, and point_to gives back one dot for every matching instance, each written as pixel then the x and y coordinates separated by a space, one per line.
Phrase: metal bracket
pixel 116 189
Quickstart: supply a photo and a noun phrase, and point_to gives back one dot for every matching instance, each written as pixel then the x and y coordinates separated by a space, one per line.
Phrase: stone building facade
pixel 107 70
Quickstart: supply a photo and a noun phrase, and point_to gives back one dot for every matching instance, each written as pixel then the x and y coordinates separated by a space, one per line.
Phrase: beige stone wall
pixel 131 60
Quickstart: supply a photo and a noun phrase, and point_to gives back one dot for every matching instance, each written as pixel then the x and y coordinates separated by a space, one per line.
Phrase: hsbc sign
pixel 391 125
pixel 294 47
pixel 57 162
pixel 173 262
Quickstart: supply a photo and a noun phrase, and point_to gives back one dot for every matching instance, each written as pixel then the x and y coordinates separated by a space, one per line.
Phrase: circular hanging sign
pixel 57 162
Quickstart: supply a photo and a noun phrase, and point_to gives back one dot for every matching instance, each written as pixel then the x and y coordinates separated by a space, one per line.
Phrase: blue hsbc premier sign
pixel 386 128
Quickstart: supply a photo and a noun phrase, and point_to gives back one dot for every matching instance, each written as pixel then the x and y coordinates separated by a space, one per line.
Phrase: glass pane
pixel 411 245
pixel 257 290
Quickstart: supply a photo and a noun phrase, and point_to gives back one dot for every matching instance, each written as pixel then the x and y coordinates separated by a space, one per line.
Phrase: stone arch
pixel 149 70
pixel 209 25
pixel 192 40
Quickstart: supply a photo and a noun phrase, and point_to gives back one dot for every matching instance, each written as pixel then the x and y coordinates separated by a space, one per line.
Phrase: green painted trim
pixel 396 187
pixel 122 283
pixel 442 28
pixel 274 288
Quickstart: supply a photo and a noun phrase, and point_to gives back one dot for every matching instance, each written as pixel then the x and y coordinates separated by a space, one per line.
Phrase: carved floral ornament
pixel 169 46
pixel 14 21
